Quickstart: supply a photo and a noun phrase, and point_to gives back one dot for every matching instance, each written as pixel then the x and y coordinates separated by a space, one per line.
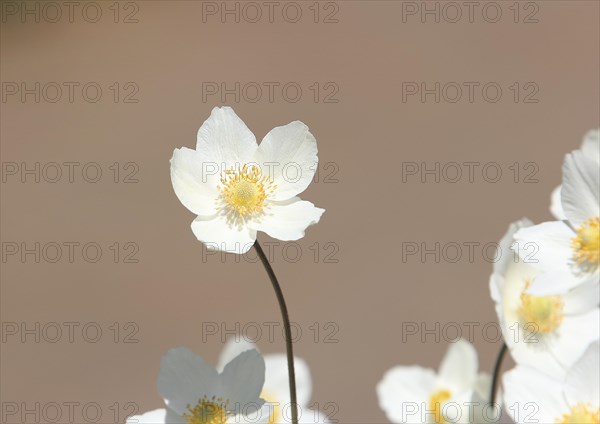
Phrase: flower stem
pixel 287 327
pixel 497 368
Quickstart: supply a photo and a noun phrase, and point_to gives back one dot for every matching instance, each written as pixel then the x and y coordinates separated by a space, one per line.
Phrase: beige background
pixel 370 292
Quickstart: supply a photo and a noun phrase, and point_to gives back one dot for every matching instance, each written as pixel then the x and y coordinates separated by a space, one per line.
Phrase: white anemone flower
pixel 534 397
pixel 195 393
pixel 237 188
pixel 276 390
pixel 546 332
pixel 455 394
pixel 569 250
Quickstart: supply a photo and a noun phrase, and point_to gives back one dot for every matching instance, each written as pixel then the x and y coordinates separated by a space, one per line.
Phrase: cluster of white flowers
pixel 548 304
pixel 548 307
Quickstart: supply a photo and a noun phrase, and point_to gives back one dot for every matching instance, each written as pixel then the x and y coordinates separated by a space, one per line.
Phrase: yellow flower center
pixel 244 192
pixel 544 312
pixel 581 414
pixel 435 404
pixel 213 411
pixel 275 416
pixel 586 245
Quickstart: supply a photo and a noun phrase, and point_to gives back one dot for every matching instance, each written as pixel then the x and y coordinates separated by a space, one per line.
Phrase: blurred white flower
pixel 457 393
pixel 569 250
pixel 195 393
pixel 276 390
pixel 238 188
pixel 546 332
pixel 532 396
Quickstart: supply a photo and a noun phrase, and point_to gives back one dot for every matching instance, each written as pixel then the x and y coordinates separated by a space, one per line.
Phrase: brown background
pixel 370 292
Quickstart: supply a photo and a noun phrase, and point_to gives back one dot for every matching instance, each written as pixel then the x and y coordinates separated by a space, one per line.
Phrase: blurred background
pixel 101 273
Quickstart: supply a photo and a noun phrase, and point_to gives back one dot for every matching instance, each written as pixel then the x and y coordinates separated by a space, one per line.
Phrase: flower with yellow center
pixel 413 394
pixel 545 313
pixel 567 251
pixel 276 391
pixel 237 187
pixel 534 396
pixel 195 393
pixel 547 332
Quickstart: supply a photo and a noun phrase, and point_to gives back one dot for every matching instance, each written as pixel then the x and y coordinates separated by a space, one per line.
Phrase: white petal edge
pixel 404 393
pixel 583 380
pixel 553 243
pixel 233 347
pixel 458 369
pixel 217 234
pixel 184 378
pixel 556 204
pixel 194 183
pixel 277 382
pixel 580 192
pixel 242 381
pixel 288 220
pixel 289 155
pixel 225 139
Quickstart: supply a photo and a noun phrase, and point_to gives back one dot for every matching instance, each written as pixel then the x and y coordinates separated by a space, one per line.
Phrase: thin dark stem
pixel 287 327
pixel 497 369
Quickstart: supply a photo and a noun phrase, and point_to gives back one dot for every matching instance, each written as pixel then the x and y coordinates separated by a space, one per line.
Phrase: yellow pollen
pixel 544 312
pixel 581 414
pixel 207 411
pixel 435 404
pixel 586 245
pixel 244 192
pixel 275 416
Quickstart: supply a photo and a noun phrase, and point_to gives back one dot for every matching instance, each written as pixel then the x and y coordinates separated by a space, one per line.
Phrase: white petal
pixel 289 155
pixel 288 220
pixel 556 204
pixel 581 188
pixel 158 416
pixel 575 334
pixel 313 416
pixel 217 234
pixel 506 244
pixel 554 282
pixel 185 378
pixel 259 416
pixel 194 184
pixel 531 396
pixel 277 381
pixel 581 384
pixel 225 139
pixel 553 243
pixel 404 393
pixel 591 145
pixel 458 370
pixel 233 347
pixel 582 299
pixel 242 381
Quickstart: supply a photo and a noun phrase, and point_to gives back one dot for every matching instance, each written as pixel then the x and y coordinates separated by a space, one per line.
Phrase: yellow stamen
pixel 544 312
pixel 208 411
pixel 275 416
pixel 435 404
pixel 244 192
pixel 581 414
pixel 586 245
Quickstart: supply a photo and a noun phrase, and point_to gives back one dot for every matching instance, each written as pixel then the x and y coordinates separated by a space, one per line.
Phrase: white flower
pixel 569 250
pixel 237 187
pixel 532 396
pixel 276 390
pixel 195 393
pixel 546 332
pixel 412 394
